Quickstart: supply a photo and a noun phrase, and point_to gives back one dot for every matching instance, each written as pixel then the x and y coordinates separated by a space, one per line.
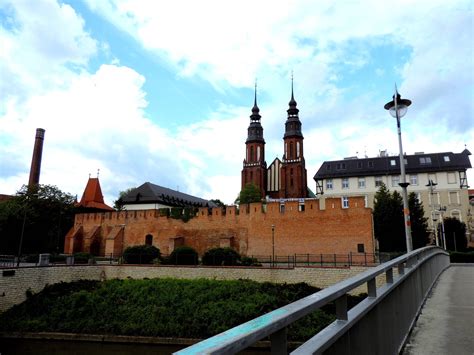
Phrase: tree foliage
pixel 389 225
pixel 250 193
pixel 118 203
pixel 141 254
pixel 455 234
pixel 47 214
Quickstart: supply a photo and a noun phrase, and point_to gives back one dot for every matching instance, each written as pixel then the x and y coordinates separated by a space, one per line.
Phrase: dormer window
pixel 446 158
pixel 393 162
pixel 425 160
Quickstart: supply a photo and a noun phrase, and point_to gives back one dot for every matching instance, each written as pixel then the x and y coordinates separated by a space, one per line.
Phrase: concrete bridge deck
pixel 446 323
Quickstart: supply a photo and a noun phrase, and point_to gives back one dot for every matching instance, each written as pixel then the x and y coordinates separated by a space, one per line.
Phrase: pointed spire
pixel 255 108
pixel 292 102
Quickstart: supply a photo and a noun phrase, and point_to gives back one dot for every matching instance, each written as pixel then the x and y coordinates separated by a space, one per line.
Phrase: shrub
pixel 248 261
pixel 82 258
pixel 458 257
pixel 141 254
pixel 184 256
pixel 221 256
pixel 164 212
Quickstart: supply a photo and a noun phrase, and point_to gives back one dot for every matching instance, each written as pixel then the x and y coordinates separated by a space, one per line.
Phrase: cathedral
pixel 283 179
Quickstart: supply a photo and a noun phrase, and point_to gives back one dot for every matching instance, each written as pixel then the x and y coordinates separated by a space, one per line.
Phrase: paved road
pixel 446 323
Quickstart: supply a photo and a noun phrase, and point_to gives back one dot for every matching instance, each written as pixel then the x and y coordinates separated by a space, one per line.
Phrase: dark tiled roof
pixel 390 165
pixel 151 193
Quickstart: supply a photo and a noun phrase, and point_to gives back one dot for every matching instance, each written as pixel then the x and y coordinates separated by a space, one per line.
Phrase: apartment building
pixel 438 179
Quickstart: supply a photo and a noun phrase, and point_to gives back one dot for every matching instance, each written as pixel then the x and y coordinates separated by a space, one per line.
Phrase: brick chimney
pixel 36 160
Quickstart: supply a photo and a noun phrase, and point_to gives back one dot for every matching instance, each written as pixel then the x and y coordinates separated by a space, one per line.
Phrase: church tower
pixel 293 170
pixel 255 167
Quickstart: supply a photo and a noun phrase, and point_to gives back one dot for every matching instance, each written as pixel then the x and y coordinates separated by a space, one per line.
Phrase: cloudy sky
pixel 161 91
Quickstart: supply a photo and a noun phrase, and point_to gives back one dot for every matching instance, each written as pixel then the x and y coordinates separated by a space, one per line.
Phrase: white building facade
pixel 446 195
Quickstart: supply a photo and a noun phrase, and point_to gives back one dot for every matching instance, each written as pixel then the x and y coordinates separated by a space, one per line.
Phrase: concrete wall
pixel 13 288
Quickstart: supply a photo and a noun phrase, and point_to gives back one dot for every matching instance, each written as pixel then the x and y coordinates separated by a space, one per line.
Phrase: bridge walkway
pixel 446 322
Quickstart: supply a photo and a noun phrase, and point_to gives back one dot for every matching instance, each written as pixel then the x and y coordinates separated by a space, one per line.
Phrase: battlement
pixel 272 209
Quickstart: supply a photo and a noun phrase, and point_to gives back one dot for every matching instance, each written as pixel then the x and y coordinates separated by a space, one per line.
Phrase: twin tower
pixel 284 178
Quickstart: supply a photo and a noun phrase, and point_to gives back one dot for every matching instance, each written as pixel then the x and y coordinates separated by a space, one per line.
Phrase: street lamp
pixel 431 185
pixel 398 108
pixel 273 245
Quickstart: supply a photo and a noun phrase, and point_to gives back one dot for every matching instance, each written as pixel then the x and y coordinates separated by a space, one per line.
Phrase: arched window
pixel 251 154
pixel 297 149
pixel 148 239
pixel 258 153
pixel 291 150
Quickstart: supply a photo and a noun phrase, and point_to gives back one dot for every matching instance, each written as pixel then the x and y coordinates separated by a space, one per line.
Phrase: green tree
pixel 419 223
pixel 455 234
pixel 250 193
pixel 47 214
pixel 388 220
pixel 217 202
pixel 389 224
pixel 118 203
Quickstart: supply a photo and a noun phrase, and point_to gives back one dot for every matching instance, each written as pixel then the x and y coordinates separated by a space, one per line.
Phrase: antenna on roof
pixel 98 172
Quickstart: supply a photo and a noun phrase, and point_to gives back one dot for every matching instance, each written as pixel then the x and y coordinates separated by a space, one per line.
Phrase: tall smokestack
pixel 36 160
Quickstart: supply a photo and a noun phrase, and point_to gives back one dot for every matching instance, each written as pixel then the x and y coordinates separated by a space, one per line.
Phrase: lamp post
pixel 398 108
pixel 273 245
pixel 431 185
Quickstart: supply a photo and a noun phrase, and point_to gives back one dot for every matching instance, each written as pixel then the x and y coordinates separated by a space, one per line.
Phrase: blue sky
pixel 162 91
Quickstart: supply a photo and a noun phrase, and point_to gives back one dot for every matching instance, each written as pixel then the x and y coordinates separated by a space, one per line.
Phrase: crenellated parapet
pixel 298 225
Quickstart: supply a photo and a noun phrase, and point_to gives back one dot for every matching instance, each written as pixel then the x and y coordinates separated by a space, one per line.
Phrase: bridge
pixel 382 322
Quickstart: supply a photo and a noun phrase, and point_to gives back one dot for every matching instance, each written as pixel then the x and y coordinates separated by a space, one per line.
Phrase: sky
pixel 162 91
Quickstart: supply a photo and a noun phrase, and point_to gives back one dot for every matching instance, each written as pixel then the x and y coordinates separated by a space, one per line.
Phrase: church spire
pixel 293 123
pixel 255 109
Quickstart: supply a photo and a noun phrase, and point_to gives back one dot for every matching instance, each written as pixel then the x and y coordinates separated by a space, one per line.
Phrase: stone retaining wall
pixel 15 282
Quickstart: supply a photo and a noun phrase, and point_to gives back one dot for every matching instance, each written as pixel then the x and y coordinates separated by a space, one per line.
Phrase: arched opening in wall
pixel 251 154
pixel 297 149
pixel 148 239
pixel 291 150
pixel 95 247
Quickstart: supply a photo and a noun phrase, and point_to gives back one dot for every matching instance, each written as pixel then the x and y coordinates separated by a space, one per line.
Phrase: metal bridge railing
pixel 378 325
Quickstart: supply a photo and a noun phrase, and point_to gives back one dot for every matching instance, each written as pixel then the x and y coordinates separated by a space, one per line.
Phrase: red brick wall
pixel 314 230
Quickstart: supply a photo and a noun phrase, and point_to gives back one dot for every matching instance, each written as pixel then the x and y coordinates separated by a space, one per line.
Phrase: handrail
pixel 273 324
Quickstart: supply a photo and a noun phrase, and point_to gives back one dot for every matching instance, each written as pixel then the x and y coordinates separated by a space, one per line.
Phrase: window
pixel 370 164
pixel 251 154
pixel 366 201
pixel 378 181
pixel 282 208
pixel 148 239
pixel 453 197
pixel 291 150
pixel 301 207
pixel 297 149
pixel 434 198
pixel 393 162
pixel 258 153
pixel 345 183
pixel 360 248
pixel 345 202
pixel 361 183
pixel 329 184
pixel 451 178
pixel 456 214
pixel 414 179
pixel 328 167
pixel 446 158
pixel 432 177
pixel 359 165
pixel 395 180
pixel 340 166
pixel 425 160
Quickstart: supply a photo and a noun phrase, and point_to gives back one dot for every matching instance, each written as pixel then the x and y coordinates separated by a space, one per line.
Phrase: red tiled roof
pixel 92 196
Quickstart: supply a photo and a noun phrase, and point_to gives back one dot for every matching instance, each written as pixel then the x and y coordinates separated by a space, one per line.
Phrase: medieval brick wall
pixel 322 227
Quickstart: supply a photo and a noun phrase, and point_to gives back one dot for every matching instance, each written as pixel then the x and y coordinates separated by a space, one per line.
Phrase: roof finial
pixel 292 96
pixel 255 99
pixel 89 175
